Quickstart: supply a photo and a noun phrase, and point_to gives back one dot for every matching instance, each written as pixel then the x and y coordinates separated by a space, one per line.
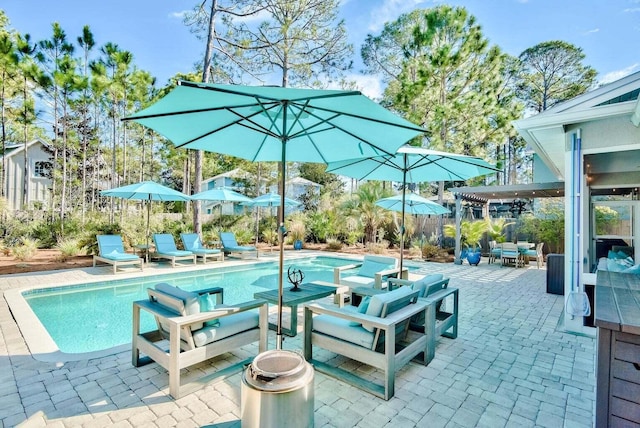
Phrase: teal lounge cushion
pixel 377 302
pixel 228 326
pixel 342 329
pixel 422 284
pixel 191 300
pixel 118 256
pixel 177 253
pixel 369 268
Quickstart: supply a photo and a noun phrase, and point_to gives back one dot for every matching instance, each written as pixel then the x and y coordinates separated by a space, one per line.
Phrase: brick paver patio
pixel 511 365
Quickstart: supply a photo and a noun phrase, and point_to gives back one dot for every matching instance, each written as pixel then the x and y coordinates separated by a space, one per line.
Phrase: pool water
pixel 98 316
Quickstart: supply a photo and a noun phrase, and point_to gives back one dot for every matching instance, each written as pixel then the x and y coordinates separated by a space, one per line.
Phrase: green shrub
pixel 26 250
pixel 377 247
pixel 334 244
pixel 68 248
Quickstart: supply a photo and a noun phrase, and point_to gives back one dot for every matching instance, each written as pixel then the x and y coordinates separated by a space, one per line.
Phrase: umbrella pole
pixel 404 192
pixel 146 251
pixel 281 231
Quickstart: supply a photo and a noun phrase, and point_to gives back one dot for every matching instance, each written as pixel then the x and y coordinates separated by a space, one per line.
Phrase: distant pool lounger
pixel 191 242
pixel 230 245
pixel 166 249
pixel 111 251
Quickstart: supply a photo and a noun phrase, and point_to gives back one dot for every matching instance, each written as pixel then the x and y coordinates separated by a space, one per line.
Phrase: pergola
pixel 486 194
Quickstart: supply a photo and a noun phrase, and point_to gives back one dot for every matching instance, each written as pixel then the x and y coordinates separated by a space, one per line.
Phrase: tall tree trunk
pixel 206 77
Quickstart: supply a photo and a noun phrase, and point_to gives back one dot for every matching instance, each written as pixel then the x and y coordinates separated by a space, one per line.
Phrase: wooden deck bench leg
pixel 135 352
pixel 430 331
pixel 174 361
pixel 390 363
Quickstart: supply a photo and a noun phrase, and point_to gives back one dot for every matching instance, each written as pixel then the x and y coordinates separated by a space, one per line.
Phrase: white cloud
pixel 390 10
pixel 180 14
pixel 368 85
pixel 594 30
pixel 632 10
pixel 619 74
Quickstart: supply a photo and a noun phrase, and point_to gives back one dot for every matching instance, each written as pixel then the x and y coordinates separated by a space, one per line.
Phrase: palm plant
pixel 363 205
pixel 496 227
pixel 470 233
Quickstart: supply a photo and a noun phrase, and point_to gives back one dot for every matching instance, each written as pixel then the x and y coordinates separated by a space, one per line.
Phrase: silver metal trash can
pixel 277 391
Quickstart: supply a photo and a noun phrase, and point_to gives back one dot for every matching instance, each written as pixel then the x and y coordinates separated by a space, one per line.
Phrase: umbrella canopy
pixel 220 194
pixel 271 200
pixel 146 191
pixel 413 204
pixel 276 124
pixel 413 165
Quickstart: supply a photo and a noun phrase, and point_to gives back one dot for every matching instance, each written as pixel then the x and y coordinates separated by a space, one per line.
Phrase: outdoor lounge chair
pixel 191 242
pixel 166 249
pixel 196 329
pixel 380 337
pixel 111 251
pixel 230 245
pixel 373 272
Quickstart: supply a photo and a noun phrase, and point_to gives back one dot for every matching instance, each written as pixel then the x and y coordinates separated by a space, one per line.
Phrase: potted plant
pixel 470 234
pixel 297 232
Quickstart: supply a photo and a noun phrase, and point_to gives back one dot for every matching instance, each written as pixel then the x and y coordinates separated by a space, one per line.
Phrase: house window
pixel 42 169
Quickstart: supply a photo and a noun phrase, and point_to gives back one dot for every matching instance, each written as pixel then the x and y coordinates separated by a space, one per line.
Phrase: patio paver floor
pixel 511 366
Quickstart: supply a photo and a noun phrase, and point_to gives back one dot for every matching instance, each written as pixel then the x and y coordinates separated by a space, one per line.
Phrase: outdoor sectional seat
pixel 379 337
pixel 230 245
pixel 191 242
pixel 111 251
pixel 197 328
pixel 373 272
pixel 166 249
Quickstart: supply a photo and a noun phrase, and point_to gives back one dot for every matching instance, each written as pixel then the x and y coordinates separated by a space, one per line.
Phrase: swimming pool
pixel 92 317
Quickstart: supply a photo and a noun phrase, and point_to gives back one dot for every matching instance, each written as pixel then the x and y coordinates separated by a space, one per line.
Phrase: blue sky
pixel 607 30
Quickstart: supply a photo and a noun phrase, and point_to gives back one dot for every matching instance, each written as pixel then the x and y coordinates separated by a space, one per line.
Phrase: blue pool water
pixel 98 316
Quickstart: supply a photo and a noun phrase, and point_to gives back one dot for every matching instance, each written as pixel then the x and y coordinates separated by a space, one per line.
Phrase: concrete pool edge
pixel 41 345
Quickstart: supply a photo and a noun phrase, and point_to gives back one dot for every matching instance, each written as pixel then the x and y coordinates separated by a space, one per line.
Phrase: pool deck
pixel 511 365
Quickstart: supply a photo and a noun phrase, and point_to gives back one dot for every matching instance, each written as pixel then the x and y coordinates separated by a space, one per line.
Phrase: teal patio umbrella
pixel 412 165
pixel 220 194
pixel 146 191
pixel 413 204
pixel 271 200
pixel 276 124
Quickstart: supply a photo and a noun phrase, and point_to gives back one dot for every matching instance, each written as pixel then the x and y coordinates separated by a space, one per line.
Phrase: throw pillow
pixel 362 309
pixel 614 266
pixel 208 304
pixel 633 269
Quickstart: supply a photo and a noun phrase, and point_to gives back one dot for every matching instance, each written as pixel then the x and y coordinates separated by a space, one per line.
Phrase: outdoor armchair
pixel 197 327
pixel 166 249
pixel 230 245
pixel 379 337
pixel 111 251
pixel 373 272
pixel 192 242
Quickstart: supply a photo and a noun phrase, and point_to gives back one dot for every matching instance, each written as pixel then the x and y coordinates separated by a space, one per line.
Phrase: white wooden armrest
pixel 380 275
pixel 339 269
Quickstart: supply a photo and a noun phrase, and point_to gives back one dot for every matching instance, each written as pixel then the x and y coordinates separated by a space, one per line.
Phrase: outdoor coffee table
pixel 291 299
